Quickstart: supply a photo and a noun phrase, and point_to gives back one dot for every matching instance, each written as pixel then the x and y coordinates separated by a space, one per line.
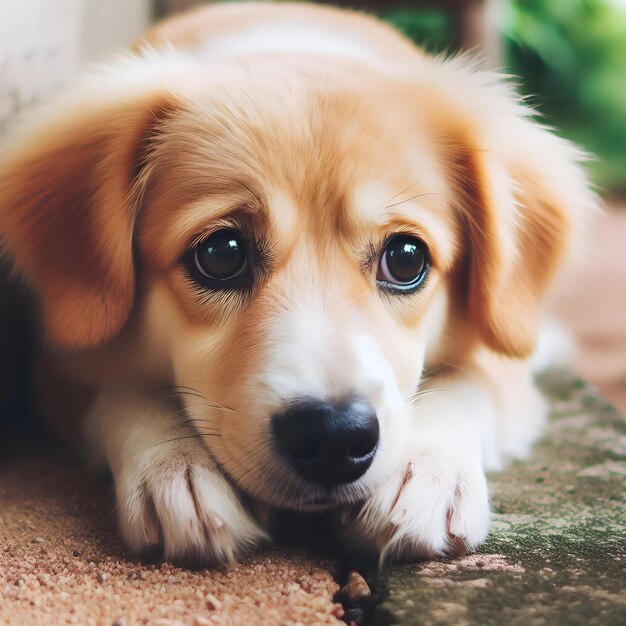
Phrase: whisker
pixel 190 423
pixel 422 394
pixel 174 390
pixel 186 409
pixel 191 420
pixel 215 405
pixel 188 388
pixel 401 192
pixel 197 436
pixel 420 195
pixel 420 407
pixel 174 394
pixel 203 382
pixel 456 367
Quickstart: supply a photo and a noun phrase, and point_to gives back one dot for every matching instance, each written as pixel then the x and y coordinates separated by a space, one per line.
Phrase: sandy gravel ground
pixel 61 563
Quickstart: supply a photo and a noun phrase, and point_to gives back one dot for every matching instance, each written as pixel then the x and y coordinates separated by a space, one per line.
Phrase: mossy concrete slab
pixel 557 551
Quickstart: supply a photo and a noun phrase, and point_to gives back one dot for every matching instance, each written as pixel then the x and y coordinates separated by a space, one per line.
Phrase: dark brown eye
pixel 403 265
pixel 221 261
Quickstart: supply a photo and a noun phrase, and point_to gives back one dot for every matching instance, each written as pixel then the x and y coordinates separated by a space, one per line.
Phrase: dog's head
pixel 295 243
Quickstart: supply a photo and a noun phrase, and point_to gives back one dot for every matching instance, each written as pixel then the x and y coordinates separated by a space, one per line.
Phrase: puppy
pixel 285 260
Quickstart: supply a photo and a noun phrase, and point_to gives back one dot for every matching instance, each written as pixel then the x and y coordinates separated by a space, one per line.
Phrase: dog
pixel 285 260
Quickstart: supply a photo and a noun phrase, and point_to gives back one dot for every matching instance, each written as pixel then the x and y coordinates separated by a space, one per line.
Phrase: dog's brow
pixel 259 203
pixel 398 194
pixel 419 195
pixel 381 215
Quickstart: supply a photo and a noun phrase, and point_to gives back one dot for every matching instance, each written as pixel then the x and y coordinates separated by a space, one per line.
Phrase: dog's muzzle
pixel 327 444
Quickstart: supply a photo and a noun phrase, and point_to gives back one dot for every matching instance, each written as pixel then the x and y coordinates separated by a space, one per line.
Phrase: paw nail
pixel 457 546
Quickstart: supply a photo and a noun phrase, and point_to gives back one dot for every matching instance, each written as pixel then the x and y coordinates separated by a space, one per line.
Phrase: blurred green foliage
pixel 570 58
pixel 430 28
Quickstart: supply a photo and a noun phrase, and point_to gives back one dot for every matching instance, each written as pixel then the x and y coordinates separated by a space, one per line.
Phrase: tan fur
pixel 320 158
pixel 71 234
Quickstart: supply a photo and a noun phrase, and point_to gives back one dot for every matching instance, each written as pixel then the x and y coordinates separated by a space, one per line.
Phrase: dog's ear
pixel 525 200
pixel 68 200
pixel 523 203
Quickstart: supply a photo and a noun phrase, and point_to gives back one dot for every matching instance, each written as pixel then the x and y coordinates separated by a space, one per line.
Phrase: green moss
pixel 559 537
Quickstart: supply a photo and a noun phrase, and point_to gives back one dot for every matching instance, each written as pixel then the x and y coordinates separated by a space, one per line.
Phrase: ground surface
pixel 61 563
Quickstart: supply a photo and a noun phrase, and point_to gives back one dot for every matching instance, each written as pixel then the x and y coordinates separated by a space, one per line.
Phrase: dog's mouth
pixel 297 495
pixel 320 502
pixel 320 505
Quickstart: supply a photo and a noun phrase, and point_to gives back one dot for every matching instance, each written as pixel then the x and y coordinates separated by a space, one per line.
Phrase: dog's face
pixel 295 246
pixel 295 253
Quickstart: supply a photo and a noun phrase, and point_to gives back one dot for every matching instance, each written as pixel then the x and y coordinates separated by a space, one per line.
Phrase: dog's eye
pixel 403 265
pixel 221 260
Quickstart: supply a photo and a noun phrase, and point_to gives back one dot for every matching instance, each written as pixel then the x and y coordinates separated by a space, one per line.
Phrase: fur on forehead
pixel 343 154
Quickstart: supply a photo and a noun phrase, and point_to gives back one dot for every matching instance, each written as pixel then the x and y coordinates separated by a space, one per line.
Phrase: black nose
pixel 330 444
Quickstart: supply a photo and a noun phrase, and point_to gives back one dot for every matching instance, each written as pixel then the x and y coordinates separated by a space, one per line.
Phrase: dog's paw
pixel 431 507
pixel 174 504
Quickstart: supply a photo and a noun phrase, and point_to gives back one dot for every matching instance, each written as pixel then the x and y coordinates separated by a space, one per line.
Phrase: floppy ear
pixel 525 202
pixel 67 201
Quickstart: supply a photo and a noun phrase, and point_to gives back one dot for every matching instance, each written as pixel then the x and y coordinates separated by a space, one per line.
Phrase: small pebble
pixel 198 620
pixel 119 622
pixel 212 602
pixel 37 540
pixel 102 577
pixel 356 591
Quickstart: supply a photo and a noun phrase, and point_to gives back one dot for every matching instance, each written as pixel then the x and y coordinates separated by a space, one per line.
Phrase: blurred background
pixel 569 60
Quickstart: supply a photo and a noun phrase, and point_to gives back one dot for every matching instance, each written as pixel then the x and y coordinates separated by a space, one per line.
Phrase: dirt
pixel 61 562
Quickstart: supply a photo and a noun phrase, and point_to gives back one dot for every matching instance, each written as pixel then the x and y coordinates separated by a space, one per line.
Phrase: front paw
pixel 432 506
pixel 174 502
